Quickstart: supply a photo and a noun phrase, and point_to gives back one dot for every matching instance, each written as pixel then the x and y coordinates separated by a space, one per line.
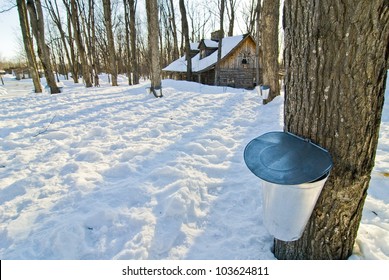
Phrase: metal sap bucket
pixel 293 171
pixel 265 90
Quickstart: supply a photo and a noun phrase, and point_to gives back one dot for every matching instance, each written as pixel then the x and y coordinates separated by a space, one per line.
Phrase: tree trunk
pixel 28 45
pixel 134 59
pixel 94 56
pixel 269 36
pixel 258 52
pixel 231 17
pixel 174 31
pixel 55 16
pixel 127 35
pixel 153 35
pixel 219 50
pixel 80 44
pixel 73 56
pixel 185 31
pixel 37 22
pixel 111 43
pixel 336 57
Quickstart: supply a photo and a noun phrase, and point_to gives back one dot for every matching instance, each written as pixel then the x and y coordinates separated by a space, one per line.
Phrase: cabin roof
pixel 200 65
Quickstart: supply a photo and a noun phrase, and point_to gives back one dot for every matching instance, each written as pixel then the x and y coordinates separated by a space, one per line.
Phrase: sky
pixel 9 32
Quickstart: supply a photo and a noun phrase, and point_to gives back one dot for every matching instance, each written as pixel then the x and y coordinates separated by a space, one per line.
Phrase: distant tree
pixel 28 44
pixel 153 35
pixel 185 31
pixel 249 15
pixel 111 44
pixel 269 46
pixel 34 8
pixel 176 53
pixel 74 15
pixel 336 59
pixel 127 40
pixel 133 40
pixel 221 36
pixel 200 18
pixel 231 9
pixel 70 40
pixel 94 57
pixel 258 47
pixel 56 18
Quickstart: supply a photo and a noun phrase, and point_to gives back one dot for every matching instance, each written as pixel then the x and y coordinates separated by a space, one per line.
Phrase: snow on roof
pixel 199 65
pixel 194 46
pixel 210 43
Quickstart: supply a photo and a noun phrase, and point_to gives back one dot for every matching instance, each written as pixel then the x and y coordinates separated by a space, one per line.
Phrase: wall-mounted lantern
pixel 293 171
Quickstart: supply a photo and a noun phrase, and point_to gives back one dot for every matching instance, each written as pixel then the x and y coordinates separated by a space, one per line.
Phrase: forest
pixel 84 38
pixel 335 56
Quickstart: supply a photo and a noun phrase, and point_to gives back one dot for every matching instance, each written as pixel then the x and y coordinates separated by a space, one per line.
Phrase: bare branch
pixel 7 9
pixel 46 128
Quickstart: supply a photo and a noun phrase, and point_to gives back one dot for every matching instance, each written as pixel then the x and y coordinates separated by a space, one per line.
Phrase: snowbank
pixel 114 173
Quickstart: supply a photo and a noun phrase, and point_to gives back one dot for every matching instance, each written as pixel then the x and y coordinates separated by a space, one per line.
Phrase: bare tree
pixel 335 86
pixel 28 44
pixel 127 39
pixel 70 41
pixel 56 18
pixel 185 31
pixel 34 8
pixel 269 45
pixel 153 34
pixel 258 47
pixel 133 40
pixel 221 36
pixel 111 43
pixel 231 8
pixel 249 15
pixel 201 19
pixel 74 15
pixel 92 39
pixel 173 29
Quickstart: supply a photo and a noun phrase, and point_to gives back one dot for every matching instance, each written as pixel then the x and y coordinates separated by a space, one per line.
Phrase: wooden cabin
pixel 238 64
pixel 24 73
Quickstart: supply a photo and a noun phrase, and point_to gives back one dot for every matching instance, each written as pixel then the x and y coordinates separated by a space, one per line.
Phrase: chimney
pixel 217 35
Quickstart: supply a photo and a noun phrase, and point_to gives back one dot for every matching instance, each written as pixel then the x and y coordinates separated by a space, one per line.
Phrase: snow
pixel 198 65
pixel 114 173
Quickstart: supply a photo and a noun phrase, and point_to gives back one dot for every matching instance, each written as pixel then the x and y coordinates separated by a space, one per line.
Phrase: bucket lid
pixel 286 159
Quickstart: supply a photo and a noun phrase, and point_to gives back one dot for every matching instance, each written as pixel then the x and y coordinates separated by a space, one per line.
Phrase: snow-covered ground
pixel 114 173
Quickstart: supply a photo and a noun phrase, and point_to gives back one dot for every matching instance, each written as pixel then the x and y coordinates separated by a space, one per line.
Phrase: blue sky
pixel 9 33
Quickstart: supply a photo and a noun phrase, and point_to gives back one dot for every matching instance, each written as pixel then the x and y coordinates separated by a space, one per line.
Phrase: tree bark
pixel 55 16
pixel 134 59
pixel 153 35
pixel 73 56
pixel 80 44
pixel 111 42
pixel 127 36
pixel 185 31
pixel 336 57
pixel 231 17
pixel 94 56
pixel 28 45
pixel 34 8
pixel 258 47
pixel 174 31
pixel 221 36
pixel 269 45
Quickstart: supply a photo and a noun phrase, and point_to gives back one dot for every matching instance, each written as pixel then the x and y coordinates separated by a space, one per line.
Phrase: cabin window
pixel 245 63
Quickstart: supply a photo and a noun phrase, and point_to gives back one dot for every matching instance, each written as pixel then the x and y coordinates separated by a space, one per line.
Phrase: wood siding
pixel 237 69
